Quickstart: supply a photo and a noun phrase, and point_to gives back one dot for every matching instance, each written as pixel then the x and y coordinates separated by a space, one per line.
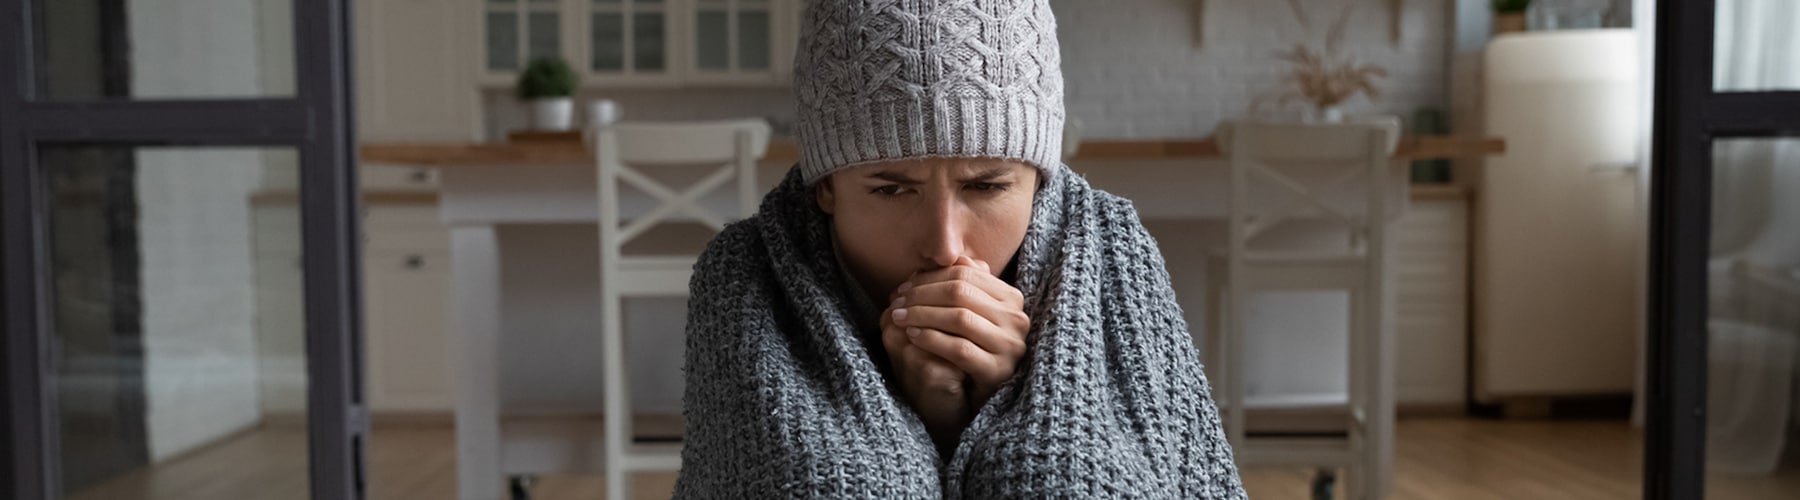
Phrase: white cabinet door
pixel 1432 311
pixel 414 77
pixel 408 365
pixel 737 41
pixel 629 41
pixel 406 290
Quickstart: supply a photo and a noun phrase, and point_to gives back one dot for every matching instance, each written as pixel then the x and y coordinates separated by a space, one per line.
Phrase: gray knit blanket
pixel 789 396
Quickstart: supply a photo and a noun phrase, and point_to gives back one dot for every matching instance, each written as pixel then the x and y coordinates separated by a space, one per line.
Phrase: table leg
pixel 475 256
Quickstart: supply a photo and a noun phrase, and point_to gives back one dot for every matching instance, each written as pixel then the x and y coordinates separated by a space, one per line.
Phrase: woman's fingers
pixel 926 378
pixel 985 335
pixel 963 315
pixel 966 295
pixel 932 376
pixel 965 355
pixel 893 338
pixel 977 276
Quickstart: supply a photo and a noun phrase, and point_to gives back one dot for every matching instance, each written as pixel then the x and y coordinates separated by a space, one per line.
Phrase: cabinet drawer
pixel 406 262
pixel 407 328
pixel 410 240
pixel 405 217
pixel 378 177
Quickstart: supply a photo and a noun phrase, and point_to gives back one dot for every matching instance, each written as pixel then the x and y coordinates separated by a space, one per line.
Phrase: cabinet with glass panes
pixel 644 42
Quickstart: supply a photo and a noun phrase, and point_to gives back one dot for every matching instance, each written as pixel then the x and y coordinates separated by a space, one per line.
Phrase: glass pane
pixel 503 41
pixel 647 41
pixel 181 361
pixel 712 42
pixel 1756 46
pixel 546 35
pixel 1753 321
pixel 753 39
pixel 608 41
pixel 110 49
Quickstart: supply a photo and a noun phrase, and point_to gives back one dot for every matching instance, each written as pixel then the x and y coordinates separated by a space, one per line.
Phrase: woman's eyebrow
pixel 989 175
pixel 894 177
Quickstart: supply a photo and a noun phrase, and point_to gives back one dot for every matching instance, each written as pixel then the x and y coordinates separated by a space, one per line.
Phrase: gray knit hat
pixel 881 80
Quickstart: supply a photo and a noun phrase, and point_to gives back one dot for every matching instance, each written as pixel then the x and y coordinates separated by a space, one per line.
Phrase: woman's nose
pixel 944 234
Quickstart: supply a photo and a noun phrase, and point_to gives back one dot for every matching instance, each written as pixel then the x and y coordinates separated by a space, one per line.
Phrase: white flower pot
pixel 552 113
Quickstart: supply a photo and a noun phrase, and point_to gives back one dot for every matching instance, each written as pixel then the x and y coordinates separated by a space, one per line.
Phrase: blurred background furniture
pixel 1352 187
pixel 1565 201
pixel 733 147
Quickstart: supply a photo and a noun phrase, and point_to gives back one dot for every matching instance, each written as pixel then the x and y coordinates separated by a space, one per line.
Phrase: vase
pixel 1328 114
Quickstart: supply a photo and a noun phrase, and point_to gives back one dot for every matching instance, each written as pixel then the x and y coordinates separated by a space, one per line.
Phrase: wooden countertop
pixel 566 151
pixel 1420 192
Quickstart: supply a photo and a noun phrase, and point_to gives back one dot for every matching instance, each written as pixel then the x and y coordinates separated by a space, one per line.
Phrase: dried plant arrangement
pixel 1322 79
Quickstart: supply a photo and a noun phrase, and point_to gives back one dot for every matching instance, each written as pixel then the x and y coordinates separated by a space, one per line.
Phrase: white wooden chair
pixel 625 151
pixel 1355 161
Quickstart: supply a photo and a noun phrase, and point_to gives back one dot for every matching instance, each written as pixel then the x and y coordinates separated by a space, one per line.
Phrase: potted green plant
pixel 1509 15
pixel 547 84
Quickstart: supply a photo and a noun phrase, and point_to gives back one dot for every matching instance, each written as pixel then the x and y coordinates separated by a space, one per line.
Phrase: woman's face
pixel 894 219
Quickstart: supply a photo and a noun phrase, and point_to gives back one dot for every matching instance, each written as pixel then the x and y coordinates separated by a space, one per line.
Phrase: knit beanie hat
pixel 882 80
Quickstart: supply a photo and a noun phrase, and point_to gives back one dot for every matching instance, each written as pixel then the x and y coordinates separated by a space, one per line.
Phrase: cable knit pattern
pixel 788 397
pixel 882 80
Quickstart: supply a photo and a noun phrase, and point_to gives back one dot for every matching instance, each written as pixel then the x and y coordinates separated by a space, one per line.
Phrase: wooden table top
pixel 568 149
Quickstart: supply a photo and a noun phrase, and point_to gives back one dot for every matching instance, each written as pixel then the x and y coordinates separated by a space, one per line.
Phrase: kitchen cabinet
pixel 641 43
pixel 629 38
pixel 1431 266
pixel 413 82
pixel 743 41
pixel 406 284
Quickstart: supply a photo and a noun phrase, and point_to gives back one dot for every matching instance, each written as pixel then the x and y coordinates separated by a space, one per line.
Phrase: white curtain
pixel 1757 48
pixel 1754 286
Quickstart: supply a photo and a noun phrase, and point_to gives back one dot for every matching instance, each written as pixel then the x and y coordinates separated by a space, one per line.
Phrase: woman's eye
pixel 889 190
pixel 989 186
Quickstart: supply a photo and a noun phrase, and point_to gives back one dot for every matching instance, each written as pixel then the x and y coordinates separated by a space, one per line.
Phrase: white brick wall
pixel 199 303
pixel 1134 69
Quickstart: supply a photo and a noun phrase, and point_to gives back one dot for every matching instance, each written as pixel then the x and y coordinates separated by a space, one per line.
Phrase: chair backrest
pixel 625 150
pixel 1336 158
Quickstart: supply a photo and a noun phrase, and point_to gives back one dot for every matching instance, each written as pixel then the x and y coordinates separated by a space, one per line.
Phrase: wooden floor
pixel 1436 459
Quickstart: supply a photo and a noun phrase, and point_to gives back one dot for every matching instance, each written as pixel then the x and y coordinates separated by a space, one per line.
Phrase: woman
pixel 931 305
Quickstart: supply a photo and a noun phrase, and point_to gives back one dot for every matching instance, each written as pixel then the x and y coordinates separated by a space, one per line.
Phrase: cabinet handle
pixel 1619 167
pixel 421 175
pixel 415 261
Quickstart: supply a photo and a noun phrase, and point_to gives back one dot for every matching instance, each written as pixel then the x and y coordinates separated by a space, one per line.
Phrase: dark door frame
pixel 317 121
pixel 1688 117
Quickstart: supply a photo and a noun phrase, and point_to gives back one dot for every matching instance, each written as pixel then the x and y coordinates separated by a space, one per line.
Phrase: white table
pixel 476 199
